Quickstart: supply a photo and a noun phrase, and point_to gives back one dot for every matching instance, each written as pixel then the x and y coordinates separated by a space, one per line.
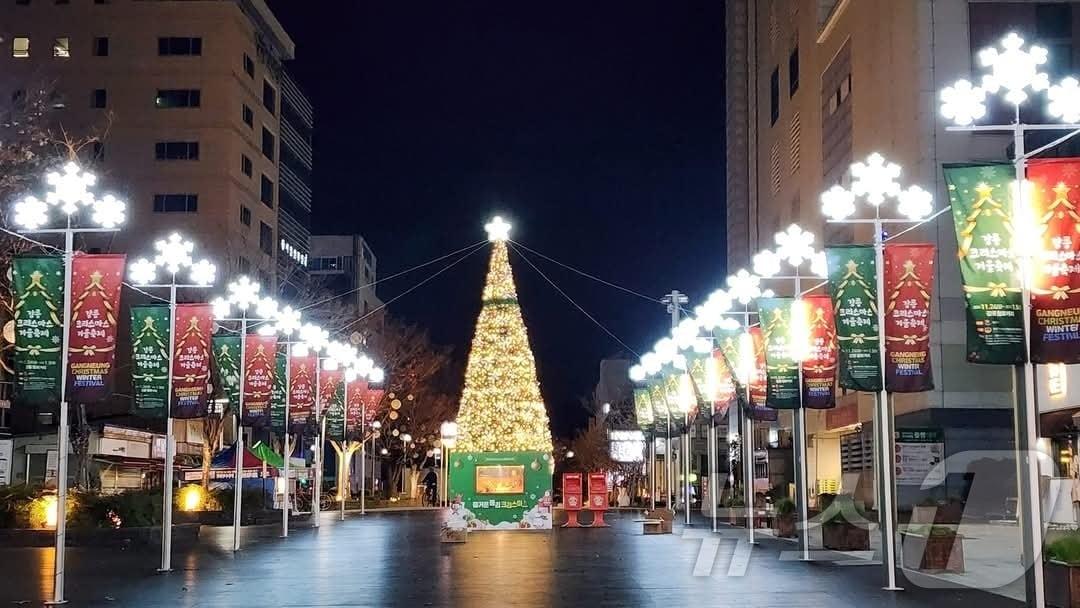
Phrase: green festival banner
pixel 782 371
pixel 278 405
pixel 853 287
pixel 38 286
pixel 982 210
pixel 333 402
pixel 95 302
pixel 329 382
pixel 194 325
pixel 301 391
pixel 1055 271
pixel 672 381
pixel 259 365
pixel 227 368
pixel 658 397
pixel 722 392
pixel 695 366
pixel 150 360
pixel 643 409
pixel 759 383
pixel 819 368
pixel 909 280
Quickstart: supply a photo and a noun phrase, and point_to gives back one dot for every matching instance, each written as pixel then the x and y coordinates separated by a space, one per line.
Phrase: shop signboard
pixel 918 452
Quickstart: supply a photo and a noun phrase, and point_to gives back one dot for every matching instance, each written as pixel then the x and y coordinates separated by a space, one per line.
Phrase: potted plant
pixel 933 548
pixel 1062 571
pixel 784 518
pixel 844 526
pixel 736 510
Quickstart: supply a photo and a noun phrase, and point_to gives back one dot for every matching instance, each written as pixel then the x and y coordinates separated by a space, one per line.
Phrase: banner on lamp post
pixel 329 382
pixel 853 288
pixel 759 381
pixel 372 399
pixel 782 371
pixel 38 290
pixel 982 209
pixel 643 410
pixel 334 404
pixel 909 280
pixel 672 395
pixel 259 365
pixel 723 392
pixel 1055 270
pixel 95 302
pixel 191 360
pixel 819 368
pixel 695 366
pixel 227 368
pixel 659 402
pixel 354 409
pixel 150 360
pixel 301 392
pixel 279 410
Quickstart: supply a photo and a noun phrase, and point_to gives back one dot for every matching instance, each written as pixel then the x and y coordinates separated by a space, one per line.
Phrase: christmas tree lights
pixel 501 407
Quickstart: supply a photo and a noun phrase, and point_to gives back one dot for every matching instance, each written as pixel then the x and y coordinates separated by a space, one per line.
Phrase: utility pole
pixel 675 301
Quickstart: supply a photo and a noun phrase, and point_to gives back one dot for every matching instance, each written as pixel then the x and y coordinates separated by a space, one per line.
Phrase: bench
pixel 657 521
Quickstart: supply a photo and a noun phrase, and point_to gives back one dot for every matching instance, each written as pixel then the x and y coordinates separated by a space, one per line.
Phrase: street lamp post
pixel 70 190
pixel 243 295
pixel 405 439
pixel 375 432
pixel 1014 73
pixel 286 324
pixel 173 255
pixel 794 247
pixel 449 433
pixel 875 181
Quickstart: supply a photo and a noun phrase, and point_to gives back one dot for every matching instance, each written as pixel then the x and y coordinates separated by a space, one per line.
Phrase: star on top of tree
pixel 498 229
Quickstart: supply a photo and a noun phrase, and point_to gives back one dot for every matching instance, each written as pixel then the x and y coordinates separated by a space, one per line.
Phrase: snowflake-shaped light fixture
pixel 267 308
pixel 70 188
pixel 497 229
pixel 202 273
pixel 109 212
pixel 686 332
pixel 142 271
pixel 243 292
pixel 287 321
pixel 818 265
pixel 795 245
pixel 766 263
pixel 636 373
pixel 838 202
pixel 666 349
pixel 31 213
pixel 1014 69
pixel 744 287
pixel 314 337
pixel 377 376
pixel 222 308
pixel 1065 100
pixel 916 203
pixel 875 179
pixel 173 253
pixel 651 363
pixel 963 103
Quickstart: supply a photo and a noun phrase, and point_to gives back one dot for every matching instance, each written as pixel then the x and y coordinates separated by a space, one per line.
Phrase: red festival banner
pixel 259 369
pixel 329 381
pixel 759 382
pixel 191 361
pixel 95 300
pixel 1055 270
pixel 372 403
pixel 909 280
pixel 301 391
pixel 819 368
pixel 720 385
pixel 354 408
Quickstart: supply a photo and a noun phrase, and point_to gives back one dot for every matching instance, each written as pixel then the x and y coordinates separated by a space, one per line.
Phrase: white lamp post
pixel 448 433
pixel 70 192
pixel 375 432
pixel 405 439
pixel 243 305
pixel 375 376
pixel 1014 73
pixel 795 247
pixel 173 255
pixel 286 324
pixel 875 181
pixel 315 339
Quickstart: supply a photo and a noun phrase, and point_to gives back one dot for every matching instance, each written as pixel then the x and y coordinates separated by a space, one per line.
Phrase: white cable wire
pixel 587 275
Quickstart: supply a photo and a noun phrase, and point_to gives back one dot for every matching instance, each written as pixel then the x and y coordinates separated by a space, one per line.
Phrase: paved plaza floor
pixel 395 559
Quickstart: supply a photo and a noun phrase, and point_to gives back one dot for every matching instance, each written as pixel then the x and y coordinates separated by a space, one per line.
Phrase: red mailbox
pixel 572 498
pixel 598 498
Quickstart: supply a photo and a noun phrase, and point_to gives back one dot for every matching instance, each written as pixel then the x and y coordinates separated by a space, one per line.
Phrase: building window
pixel 20 47
pixel 249 116
pixel 266 238
pixel 62 47
pixel 249 66
pixel 793 72
pixel 245 165
pixel 99 98
pixel 176 203
pixel 243 265
pixel 266 192
pixel 774 96
pixel 269 97
pixel 245 215
pixel 101 47
pixel 178 98
pixel 176 150
pixel 179 46
pixel 268 144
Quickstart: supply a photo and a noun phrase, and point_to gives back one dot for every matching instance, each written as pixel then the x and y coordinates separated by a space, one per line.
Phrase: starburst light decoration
pixel 1014 69
pixel 70 191
pixel 243 292
pixel 71 188
pixel 963 103
pixel 875 179
pixel 173 255
pixel 1064 100
pixel 795 245
pixel 838 202
pixel 766 263
pixel 497 229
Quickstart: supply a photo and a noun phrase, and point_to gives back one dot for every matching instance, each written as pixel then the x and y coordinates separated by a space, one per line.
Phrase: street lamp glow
pixel 376 375
pixel 875 179
pixel 498 229
pixel 314 337
pixel 703 346
pixel 686 332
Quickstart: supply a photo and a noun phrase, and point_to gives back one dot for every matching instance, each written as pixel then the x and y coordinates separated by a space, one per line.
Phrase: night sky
pixel 596 128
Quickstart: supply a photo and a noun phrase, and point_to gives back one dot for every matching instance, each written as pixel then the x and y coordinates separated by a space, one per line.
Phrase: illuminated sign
pixel 1056 379
pixel 500 479
pixel 627 446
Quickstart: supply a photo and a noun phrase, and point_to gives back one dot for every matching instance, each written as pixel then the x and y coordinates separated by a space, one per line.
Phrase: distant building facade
pixel 346 263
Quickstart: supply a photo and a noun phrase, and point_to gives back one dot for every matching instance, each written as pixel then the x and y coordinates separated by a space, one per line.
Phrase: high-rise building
pixel 814 85
pixel 189 98
pixel 295 186
pixel 345 263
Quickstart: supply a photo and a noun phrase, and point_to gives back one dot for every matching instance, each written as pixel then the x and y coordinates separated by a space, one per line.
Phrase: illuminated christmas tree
pixel 501 407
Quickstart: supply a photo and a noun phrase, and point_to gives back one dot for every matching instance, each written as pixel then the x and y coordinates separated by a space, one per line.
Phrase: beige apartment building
pixel 813 85
pixel 187 96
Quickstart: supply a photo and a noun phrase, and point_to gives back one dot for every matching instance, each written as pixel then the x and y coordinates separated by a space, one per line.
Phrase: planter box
pixel 1062 585
pixel 843 536
pixel 454 536
pixel 935 553
pixel 784 526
